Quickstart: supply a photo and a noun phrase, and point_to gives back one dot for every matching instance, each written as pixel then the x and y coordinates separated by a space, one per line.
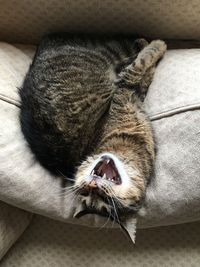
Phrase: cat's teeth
pixel 104 176
pixel 108 160
pixel 92 172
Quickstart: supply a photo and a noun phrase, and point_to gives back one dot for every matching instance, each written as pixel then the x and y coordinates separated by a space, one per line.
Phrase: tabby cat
pixel 82 115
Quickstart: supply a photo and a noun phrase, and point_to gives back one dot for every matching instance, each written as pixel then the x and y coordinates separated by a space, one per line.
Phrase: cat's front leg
pixel 139 74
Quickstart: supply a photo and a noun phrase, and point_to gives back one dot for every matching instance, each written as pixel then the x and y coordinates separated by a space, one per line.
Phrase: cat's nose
pixel 92 184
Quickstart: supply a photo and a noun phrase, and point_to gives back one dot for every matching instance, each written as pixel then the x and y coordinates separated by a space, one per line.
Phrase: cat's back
pixel 66 91
pixel 67 69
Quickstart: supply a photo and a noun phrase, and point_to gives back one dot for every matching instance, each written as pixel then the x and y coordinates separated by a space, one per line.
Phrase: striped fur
pixel 82 98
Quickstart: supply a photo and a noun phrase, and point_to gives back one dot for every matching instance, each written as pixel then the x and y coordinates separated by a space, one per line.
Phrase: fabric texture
pixel 23 22
pixel 48 243
pixel 13 222
pixel 173 104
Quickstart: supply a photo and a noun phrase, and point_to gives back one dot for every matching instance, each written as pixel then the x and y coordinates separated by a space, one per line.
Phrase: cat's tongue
pixel 106 169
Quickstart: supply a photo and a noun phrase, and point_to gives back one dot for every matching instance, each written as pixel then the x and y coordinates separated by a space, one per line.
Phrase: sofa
pixel 35 230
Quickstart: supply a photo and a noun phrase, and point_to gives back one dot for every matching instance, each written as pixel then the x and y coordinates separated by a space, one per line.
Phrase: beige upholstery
pixel 13 222
pixel 173 100
pixel 52 243
pixel 47 243
pixel 25 21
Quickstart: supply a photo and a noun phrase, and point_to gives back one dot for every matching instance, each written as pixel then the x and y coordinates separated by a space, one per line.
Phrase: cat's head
pixel 109 185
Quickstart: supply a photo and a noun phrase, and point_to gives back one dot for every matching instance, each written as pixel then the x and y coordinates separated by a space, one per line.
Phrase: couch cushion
pixel 13 222
pixel 173 104
pixel 21 21
pixel 48 243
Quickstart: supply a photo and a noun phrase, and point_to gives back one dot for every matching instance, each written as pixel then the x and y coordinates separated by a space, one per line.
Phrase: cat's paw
pixel 146 59
pixel 157 49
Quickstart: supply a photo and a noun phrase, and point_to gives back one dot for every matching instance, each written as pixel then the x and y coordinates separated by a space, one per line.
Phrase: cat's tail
pixel 139 74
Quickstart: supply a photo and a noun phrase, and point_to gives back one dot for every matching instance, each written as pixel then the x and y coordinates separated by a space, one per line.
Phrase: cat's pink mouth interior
pixel 106 169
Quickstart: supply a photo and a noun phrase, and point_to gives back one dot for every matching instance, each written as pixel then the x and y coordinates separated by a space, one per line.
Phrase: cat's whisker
pixel 113 220
pixel 115 210
pixel 69 192
pixel 111 192
pixel 106 220
pixel 73 200
pixel 116 216
pixel 118 221
pixel 63 187
pixel 69 187
pixel 120 201
pixel 104 225
pixel 73 188
pixel 64 176
pixel 111 213
pixel 66 189
pixel 66 195
pixel 60 187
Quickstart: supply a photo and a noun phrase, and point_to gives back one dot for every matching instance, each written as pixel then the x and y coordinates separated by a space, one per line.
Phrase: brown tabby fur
pixel 127 134
pixel 83 98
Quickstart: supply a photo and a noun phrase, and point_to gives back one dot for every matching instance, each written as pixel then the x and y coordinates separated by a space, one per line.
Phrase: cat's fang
pixel 107 169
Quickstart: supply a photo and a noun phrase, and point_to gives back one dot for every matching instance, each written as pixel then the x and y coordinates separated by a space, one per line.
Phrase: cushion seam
pixel 157 116
pixel 10 100
pixel 174 111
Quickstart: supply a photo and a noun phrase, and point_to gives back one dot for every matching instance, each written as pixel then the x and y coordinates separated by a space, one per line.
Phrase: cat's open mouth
pixel 106 169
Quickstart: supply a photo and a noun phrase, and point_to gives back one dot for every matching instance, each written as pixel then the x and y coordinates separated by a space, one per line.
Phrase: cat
pixel 82 116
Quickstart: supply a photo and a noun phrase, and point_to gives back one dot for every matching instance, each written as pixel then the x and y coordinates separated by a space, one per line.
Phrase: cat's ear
pixel 129 225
